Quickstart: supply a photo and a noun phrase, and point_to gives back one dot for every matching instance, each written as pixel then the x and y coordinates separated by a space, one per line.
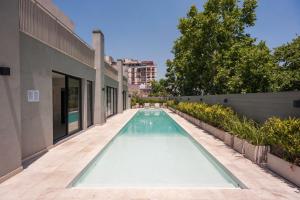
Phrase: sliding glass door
pixel 74 104
pixel 89 103
pixel 59 105
pixel 111 101
pixel 66 97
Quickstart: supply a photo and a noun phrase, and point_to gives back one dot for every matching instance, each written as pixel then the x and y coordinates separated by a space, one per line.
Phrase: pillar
pixel 99 105
pixel 120 88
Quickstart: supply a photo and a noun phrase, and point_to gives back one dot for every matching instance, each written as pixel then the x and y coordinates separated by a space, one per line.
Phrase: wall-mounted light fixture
pixel 296 104
pixel 4 70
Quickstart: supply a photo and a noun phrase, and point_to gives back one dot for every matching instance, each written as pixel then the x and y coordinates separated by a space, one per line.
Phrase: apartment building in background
pixel 54 85
pixel 140 74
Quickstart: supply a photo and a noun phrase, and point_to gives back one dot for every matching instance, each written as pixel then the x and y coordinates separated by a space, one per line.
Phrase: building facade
pixel 140 74
pixel 53 84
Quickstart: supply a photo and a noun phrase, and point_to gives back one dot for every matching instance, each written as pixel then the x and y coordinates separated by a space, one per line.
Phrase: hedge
pixel 284 138
pixel 279 134
pixel 137 100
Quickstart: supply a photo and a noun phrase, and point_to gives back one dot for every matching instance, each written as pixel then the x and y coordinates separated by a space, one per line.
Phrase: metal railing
pixel 38 22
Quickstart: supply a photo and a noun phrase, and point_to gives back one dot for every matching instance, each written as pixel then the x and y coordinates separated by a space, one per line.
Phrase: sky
pixel 146 29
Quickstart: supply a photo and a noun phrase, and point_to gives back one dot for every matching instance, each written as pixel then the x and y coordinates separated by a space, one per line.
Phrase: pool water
pixel 152 150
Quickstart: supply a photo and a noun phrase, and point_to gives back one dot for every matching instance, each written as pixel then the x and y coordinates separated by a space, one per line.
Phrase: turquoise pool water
pixel 152 150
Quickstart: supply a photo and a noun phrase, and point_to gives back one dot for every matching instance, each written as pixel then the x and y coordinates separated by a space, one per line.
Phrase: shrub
pixel 282 135
pixel 150 100
pixel 224 118
pixel 248 130
pixel 133 102
pixel 284 138
pixel 171 103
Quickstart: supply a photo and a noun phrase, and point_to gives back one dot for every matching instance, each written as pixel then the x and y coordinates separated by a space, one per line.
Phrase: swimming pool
pixel 152 150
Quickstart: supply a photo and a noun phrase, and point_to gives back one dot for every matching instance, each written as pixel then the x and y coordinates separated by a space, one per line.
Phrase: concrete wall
pixel 54 10
pixel 257 106
pixel 10 106
pixel 110 82
pixel 37 63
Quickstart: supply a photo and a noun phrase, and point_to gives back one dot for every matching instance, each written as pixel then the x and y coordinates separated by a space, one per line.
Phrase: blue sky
pixel 146 29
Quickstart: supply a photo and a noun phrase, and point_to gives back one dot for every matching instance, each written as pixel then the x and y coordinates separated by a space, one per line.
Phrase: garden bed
pixel 254 141
pixel 255 153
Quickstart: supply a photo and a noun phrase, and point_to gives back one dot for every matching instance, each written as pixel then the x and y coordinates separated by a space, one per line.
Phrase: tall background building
pixel 140 74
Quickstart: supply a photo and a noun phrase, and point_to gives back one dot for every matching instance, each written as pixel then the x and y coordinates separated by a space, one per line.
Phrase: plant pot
pixel 228 139
pixel 238 144
pixel 195 121
pixel 190 118
pixel 283 168
pixel 257 154
pixel 214 131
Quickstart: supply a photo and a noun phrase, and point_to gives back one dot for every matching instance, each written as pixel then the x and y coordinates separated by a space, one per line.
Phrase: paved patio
pixel 48 177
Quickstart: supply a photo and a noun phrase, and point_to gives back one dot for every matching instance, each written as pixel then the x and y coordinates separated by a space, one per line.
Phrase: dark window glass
pixel 74 114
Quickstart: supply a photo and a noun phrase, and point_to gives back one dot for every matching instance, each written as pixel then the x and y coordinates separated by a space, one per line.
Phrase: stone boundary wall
pixel 256 106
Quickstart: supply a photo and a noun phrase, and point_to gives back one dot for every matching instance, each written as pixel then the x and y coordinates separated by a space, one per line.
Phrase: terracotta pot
pixel 283 168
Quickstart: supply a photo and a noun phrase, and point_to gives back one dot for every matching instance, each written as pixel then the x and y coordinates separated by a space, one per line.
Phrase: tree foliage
pixel 158 88
pixel 215 55
pixel 287 58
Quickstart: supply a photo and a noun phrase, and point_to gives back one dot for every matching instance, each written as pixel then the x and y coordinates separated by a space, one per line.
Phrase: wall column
pixel 120 88
pixel 99 105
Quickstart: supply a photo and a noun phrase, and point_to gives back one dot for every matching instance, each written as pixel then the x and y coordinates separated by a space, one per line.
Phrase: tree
pixel 287 58
pixel 215 55
pixel 158 88
pixel 245 68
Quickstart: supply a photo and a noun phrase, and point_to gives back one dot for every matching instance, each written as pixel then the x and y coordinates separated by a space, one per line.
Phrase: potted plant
pixel 284 138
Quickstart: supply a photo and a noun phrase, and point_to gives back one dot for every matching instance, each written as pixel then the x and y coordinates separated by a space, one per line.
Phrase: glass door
pixel 74 104
pixel 111 101
pixel 59 105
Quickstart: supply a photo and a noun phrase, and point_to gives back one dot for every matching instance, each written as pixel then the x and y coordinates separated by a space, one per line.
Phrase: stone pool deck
pixel 48 177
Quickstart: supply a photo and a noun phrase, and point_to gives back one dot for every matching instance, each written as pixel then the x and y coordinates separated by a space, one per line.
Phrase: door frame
pixel 67 134
pixel 91 103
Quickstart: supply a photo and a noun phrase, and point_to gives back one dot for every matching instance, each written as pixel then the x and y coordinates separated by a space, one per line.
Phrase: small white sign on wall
pixel 33 95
